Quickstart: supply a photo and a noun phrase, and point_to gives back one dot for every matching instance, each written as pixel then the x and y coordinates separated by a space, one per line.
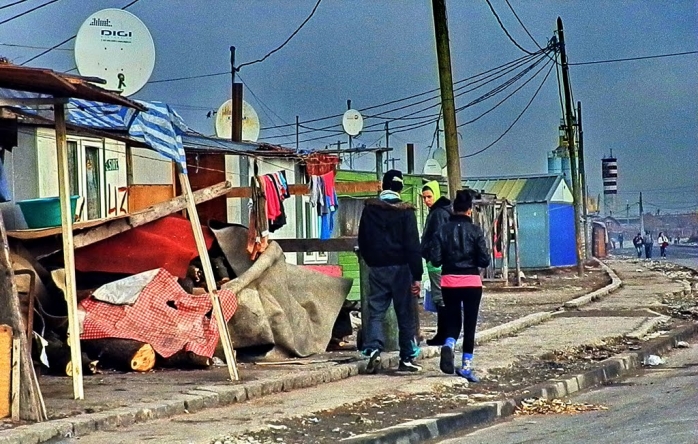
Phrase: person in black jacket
pixel 439 214
pixel 459 248
pixel 389 244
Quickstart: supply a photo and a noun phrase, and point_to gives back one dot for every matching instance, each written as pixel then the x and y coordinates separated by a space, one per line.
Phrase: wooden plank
pixel 210 280
pixel 5 369
pixel 38 233
pixel 302 189
pixel 141 197
pixel 311 245
pixel 516 246
pixel 16 374
pixel 68 250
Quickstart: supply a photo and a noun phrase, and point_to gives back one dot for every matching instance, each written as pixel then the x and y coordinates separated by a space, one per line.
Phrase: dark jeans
pixel 392 283
pixel 662 250
pixel 469 299
pixel 639 250
pixel 648 251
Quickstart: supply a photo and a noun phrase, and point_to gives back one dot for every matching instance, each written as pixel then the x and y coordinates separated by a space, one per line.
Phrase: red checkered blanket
pixel 164 316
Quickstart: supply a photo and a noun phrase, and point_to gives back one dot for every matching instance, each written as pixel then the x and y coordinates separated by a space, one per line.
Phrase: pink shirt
pixel 460 281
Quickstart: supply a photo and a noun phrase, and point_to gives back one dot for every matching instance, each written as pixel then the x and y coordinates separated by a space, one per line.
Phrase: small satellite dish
pixel 250 121
pixel 440 157
pixel 352 122
pixel 432 168
pixel 116 46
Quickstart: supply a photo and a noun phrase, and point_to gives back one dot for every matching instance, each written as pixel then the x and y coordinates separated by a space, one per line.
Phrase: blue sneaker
pixel 374 361
pixel 467 374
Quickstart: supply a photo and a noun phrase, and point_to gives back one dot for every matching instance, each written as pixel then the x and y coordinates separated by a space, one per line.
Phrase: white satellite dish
pixel 352 122
pixel 431 168
pixel 116 46
pixel 440 157
pixel 250 121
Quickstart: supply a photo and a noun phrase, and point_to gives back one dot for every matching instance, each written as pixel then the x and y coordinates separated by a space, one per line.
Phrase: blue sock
pixel 450 342
pixel 467 361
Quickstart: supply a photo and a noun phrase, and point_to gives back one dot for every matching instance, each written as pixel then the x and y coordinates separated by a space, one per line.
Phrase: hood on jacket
pixel 435 189
pixel 389 205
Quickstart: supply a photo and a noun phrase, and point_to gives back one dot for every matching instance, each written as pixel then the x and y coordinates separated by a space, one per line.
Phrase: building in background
pixel 609 175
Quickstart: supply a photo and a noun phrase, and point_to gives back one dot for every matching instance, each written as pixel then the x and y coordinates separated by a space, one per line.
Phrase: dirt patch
pixel 385 411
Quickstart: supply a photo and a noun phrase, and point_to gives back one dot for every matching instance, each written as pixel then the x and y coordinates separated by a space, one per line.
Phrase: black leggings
pixel 467 300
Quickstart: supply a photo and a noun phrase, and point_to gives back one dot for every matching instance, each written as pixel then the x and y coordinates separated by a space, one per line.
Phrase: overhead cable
pixel 501 25
pixel 28 11
pixel 628 59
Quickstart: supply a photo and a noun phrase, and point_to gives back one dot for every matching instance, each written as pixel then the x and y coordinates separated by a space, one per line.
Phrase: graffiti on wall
pixel 117 200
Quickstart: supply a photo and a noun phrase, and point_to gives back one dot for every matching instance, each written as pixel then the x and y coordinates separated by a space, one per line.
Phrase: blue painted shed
pixel 546 216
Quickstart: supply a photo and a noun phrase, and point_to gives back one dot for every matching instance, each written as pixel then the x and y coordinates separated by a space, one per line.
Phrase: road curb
pixel 478 415
pixel 615 284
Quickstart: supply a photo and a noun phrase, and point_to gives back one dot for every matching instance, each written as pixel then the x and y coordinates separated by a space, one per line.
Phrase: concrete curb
pixel 478 415
pixel 647 326
pixel 615 284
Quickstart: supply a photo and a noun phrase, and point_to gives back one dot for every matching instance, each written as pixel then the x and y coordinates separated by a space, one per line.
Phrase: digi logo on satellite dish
pixel 110 33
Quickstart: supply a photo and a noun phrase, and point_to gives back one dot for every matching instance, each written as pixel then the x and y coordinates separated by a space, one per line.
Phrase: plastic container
pixel 45 212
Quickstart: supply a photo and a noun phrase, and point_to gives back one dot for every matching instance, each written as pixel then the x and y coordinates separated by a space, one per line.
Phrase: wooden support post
pixel 16 374
pixel 505 242
pixel 516 247
pixel 210 280
pixel 68 252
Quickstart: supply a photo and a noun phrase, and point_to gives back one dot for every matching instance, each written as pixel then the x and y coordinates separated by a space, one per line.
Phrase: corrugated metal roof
pixel 526 189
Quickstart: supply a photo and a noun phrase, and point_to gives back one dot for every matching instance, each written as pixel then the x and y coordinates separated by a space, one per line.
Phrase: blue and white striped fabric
pixel 160 128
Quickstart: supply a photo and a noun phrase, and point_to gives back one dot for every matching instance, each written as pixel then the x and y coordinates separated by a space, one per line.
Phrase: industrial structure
pixel 609 174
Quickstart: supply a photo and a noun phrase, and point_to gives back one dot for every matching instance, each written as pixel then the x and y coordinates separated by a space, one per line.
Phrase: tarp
pixel 289 308
pixel 160 128
pixel 165 243
pixel 164 316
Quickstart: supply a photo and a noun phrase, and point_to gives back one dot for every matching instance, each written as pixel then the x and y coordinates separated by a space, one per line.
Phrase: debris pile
pixel 540 406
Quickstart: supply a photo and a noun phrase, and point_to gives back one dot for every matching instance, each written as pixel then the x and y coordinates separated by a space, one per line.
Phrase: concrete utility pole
pixel 642 217
pixel 583 182
pixel 576 187
pixel 443 54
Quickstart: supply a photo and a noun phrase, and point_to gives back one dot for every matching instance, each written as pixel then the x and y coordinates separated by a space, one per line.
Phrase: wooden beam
pixel 302 189
pixel 311 245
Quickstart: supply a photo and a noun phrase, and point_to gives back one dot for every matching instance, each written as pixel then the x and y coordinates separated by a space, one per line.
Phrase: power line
pixel 521 23
pixel 514 122
pixel 501 25
pixel 56 46
pixel 285 42
pixel 12 4
pixel 674 54
pixel 28 11
pixel 14 45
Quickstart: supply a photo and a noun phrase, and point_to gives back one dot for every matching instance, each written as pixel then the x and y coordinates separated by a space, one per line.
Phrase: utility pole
pixel 577 191
pixel 443 55
pixel 642 217
pixel 351 156
pixel 583 182
pixel 297 131
pixel 627 213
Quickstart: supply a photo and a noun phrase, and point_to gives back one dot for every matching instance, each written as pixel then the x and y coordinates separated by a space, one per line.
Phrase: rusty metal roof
pixel 60 85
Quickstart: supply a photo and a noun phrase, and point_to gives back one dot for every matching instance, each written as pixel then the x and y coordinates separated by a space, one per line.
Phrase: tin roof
pixel 522 189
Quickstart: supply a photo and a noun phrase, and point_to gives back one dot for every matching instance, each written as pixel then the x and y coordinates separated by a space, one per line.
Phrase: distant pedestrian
pixel 460 248
pixel 637 243
pixel 648 242
pixel 663 242
pixel 439 214
pixel 389 244
pixel 620 240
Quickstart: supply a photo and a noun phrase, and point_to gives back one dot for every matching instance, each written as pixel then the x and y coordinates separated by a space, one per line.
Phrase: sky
pixel 373 52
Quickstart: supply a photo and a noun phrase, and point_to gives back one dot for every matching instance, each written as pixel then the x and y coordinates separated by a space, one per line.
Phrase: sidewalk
pixel 618 314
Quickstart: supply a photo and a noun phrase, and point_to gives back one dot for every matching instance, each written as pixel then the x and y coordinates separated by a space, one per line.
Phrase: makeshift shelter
pixel 545 213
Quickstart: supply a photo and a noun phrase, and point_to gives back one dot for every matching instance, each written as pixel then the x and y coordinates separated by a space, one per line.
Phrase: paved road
pixel 682 255
pixel 659 406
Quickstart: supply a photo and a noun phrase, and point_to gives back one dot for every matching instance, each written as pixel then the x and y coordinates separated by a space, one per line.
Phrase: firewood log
pixel 121 354
pixel 186 359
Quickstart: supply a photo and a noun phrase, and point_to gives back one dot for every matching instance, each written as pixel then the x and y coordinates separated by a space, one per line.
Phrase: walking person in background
pixel 637 243
pixel 389 244
pixel 620 240
pixel 459 248
pixel 648 242
pixel 663 242
pixel 439 214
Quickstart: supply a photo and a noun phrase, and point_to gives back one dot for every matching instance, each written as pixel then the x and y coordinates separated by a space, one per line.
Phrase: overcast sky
pixel 374 52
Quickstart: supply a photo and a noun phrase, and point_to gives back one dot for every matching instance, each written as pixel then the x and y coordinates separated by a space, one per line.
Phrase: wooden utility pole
pixel 443 54
pixel 583 182
pixel 576 187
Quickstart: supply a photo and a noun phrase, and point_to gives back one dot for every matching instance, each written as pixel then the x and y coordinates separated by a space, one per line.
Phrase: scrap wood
pixel 121 354
pixel 540 406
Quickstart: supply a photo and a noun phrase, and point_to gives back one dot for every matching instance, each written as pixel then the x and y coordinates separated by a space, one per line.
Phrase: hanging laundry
pixel 323 197
pixel 258 231
pixel 5 195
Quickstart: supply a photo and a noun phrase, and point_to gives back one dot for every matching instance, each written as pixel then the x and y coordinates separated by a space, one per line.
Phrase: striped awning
pixel 160 127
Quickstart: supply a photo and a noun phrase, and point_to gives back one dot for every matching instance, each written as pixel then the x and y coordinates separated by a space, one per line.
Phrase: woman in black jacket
pixel 459 248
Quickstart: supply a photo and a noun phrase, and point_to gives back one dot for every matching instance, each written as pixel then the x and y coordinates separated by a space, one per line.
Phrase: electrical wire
pixel 13 4
pixel 501 25
pixel 511 8
pixel 285 42
pixel 14 45
pixel 56 46
pixel 514 122
pixel 657 56
pixel 28 11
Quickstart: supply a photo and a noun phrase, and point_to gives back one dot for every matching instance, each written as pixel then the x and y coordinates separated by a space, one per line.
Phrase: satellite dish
pixel 116 46
pixel 432 168
pixel 224 121
pixel 440 157
pixel 352 122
